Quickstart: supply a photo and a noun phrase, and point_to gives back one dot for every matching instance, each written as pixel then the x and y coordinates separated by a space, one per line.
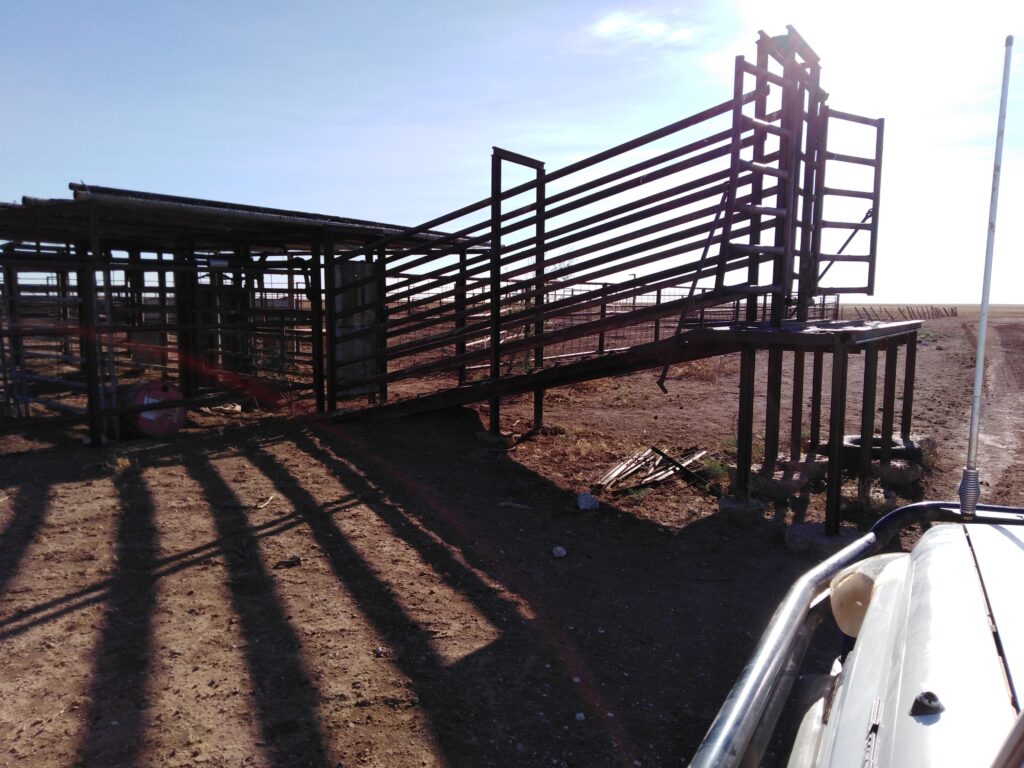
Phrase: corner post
pixel 495 289
pixel 538 295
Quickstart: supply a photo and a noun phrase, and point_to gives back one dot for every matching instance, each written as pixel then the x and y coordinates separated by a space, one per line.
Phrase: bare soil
pixel 280 591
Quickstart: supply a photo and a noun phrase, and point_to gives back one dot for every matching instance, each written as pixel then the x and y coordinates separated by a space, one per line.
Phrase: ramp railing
pixel 687 214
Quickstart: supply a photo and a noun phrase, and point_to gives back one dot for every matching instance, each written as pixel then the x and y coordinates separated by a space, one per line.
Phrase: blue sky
pixel 387 111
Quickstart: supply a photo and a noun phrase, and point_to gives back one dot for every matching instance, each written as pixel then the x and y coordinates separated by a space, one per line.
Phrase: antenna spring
pixel 970 492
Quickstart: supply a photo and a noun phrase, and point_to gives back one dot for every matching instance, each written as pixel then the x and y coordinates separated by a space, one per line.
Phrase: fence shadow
pixel 29 506
pixel 284 695
pixel 118 695
pixel 628 630
pixel 639 631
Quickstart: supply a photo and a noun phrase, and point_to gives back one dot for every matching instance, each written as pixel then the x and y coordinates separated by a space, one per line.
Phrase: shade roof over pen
pixel 162 221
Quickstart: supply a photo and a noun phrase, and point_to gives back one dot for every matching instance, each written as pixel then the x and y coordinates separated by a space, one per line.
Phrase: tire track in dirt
pixel 1002 435
pixel 944 395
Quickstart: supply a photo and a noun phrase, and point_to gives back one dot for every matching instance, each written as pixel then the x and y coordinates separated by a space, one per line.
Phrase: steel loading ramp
pixel 719 217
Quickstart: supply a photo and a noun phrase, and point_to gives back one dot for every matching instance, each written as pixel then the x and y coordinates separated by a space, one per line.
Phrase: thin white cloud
pixel 640 27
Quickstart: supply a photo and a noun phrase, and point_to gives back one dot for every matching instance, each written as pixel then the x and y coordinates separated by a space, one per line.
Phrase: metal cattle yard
pixel 731 231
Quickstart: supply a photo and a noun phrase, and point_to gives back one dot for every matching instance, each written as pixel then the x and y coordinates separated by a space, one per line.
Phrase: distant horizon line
pixel 926 303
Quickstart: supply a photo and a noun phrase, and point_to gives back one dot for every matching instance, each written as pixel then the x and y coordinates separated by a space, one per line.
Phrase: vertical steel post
pixel 837 426
pixel 789 163
pixel 381 319
pixel 867 419
pixel 817 213
pixel 161 281
pixel 185 277
pixel 497 157
pixel 91 365
pixel 876 201
pixel 816 376
pixel 538 296
pixel 224 308
pixel 796 421
pixel 603 314
pixel 316 325
pixel 806 196
pixel 17 339
pixel 10 397
pixel 108 392
pixel 244 287
pixel 460 314
pixel 909 370
pixel 330 311
pixel 293 304
pixel 736 142
pixel 64 292
pixel 772 410
pixel 889 398
pixel 657 320
pixel 745 426
pixel 495 290
pixel 136 285
pixel 757 180
pixel 14 313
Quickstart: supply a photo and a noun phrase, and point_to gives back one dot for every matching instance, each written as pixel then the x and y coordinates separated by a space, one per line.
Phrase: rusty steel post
pixel 910 367
pixel 796 421
pixel 867 420
pixel 816 375
pixel 772 411
pixel 460 313
pixel 837 426
pixel 495 290
pixel 330 310
pixel 380 318
pixel 657 320
pixel 91 365
pixel 603 314
pixel 316 325
pixel 889 398
pixel 745 427
pixel 538 298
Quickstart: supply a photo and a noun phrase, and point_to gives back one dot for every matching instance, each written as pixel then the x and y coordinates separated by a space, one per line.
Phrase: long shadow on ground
pixel 284 695
pixel 468 704
pixel 118 693
pixel 620 652
pixel 641 629
pixel 29 513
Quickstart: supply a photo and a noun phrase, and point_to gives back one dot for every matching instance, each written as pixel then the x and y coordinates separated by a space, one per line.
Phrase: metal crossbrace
pixel 688 305
pixel 853 234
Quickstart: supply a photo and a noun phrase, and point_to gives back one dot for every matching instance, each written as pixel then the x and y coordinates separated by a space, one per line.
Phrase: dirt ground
pixel 281 591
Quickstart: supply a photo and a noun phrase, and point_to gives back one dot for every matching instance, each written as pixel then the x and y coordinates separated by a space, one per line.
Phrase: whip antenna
pixel 970 488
